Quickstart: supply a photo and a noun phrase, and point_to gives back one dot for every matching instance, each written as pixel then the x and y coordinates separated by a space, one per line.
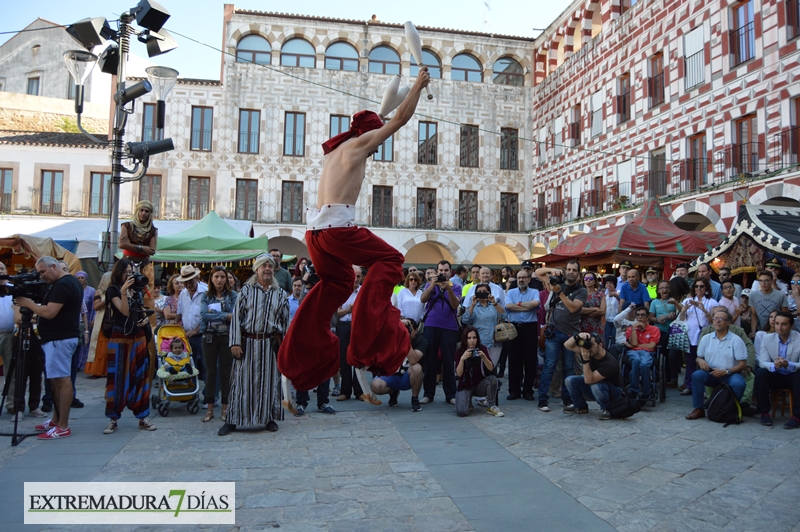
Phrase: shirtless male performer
pixel 309 353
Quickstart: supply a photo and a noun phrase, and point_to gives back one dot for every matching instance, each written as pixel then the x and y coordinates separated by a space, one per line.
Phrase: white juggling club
pixel 415 46
pixel 392 97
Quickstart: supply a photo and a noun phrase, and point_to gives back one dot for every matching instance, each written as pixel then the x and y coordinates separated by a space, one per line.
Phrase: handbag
pixel 504 331
pixel 679 336
pixel 108 321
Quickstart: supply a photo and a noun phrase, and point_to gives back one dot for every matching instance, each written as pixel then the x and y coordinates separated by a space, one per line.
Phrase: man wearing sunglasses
pixel 775 267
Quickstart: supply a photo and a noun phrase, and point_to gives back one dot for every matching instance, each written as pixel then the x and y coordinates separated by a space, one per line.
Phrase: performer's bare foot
pixel 371 399
pixel 289 406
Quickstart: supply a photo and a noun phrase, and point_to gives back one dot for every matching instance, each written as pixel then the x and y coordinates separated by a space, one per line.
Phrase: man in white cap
pixel 258 323
pixel 189 301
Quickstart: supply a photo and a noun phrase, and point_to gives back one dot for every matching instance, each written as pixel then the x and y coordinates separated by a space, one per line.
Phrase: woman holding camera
pixel 475 374
pixel 216 307
pixel 697 311
pixel 128 384
pixel 484 312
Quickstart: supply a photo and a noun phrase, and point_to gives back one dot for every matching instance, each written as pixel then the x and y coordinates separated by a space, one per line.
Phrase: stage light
pixel 109 59
pixel 150 15
pixel 136 90
pixel 91 32
pixel 158 42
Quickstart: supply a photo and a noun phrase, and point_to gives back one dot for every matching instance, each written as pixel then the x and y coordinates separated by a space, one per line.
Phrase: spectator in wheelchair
pixel 601 379
pixel 721 357
pixel 778 360
pixel 641 340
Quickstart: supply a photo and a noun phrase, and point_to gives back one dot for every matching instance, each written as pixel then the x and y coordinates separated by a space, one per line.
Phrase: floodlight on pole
pixel 163 80
pixel 91 32
pixel 157 43
pixel 128 94
pixel 150 15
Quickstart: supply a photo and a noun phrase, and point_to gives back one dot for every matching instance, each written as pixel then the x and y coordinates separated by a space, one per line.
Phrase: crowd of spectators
pixel 572 329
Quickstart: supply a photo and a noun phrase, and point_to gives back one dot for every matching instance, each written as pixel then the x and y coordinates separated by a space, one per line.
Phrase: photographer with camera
pixel 128 357
pixel 441 298
pixel 601 379
pixel 58 314
pixel 484 312
pixel 475 372
pixel 567 297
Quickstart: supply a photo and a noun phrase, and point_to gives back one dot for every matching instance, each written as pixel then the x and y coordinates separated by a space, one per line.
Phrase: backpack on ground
pixel 723 407
pixel 624 407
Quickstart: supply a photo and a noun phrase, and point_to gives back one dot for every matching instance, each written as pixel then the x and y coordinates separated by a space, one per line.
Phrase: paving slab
pixel 379 468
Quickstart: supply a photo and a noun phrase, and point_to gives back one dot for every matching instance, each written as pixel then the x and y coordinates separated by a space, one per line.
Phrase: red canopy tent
pixel 650 239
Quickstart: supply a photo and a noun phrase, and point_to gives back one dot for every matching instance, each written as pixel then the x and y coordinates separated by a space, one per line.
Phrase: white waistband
pixel 330 216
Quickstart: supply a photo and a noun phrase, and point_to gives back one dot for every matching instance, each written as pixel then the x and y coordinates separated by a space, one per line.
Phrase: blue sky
pixel 202 19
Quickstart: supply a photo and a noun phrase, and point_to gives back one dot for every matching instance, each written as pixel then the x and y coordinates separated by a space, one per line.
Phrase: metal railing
pixel 656 89
pixel 624 107
pixel 7 201
pixel 656 184
pixel 689 175
pixel 695 69
pixel 743 43
pixel 740 160
pixel 575 132
pixel 785 149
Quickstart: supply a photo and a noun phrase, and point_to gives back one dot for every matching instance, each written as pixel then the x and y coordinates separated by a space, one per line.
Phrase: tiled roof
pixel 51 138
pixel 378 23
pixel 189 81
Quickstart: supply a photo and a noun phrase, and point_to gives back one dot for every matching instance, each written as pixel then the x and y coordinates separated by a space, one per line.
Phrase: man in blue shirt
pixel 633 292
pixel 295 297
pixel 704 273
pixel 521 305
pixel 721 357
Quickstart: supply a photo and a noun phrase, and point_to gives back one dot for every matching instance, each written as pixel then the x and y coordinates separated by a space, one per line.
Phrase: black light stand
pixel 18 359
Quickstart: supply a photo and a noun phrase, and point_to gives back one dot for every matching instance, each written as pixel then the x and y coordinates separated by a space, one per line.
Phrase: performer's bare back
pixel 344 168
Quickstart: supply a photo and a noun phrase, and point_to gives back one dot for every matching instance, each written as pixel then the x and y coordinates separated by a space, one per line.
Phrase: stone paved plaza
pixel 385 469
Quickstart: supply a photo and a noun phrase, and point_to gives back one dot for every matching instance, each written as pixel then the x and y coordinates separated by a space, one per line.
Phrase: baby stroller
pixel 183 387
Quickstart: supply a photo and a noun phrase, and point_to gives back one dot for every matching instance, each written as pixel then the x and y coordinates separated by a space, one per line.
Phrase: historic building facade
pixel 450 184
pixel 693 102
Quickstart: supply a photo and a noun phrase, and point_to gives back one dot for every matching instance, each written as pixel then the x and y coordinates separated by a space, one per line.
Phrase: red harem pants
pixel 309 354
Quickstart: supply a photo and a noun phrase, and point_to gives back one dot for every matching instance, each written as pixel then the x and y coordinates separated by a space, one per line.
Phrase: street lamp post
pixel 93 32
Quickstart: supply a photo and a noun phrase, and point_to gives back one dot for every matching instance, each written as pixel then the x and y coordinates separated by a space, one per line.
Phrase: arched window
pixel 253 49
pixel 298 53
pixel 341 56
pixel 466 68
pixel 508 72
pixel 384 60
pixel 430 60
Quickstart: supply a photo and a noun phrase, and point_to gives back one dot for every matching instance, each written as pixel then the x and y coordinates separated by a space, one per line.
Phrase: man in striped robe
pixel 258 323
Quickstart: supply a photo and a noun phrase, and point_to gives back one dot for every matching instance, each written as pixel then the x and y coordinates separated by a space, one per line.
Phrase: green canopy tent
pixel 211 240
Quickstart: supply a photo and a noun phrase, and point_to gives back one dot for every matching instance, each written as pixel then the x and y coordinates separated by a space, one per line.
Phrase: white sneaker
pixel 482 402
pixel 493 410
pixel 424 400
pixel 19 416
pixel 452 401
pixel 112 426
pixel 38 413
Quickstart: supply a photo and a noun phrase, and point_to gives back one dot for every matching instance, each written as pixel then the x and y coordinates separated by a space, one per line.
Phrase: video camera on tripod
pixel 24 285
pixel 136 301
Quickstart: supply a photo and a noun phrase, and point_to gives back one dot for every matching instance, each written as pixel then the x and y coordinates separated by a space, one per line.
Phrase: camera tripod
pixel 18 358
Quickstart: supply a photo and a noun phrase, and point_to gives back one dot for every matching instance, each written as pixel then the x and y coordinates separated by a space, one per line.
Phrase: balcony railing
pixel 624 107
pixel 785 149
pixel 555 213
pixel 689 175
pixel 740 160
pixel 656 89
pixel 593 202
pixel 656 184
pixel 743 43
pixel 575 133
pixel 695 69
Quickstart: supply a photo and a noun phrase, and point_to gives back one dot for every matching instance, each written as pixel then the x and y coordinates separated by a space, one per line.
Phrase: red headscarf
pixel 363 121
